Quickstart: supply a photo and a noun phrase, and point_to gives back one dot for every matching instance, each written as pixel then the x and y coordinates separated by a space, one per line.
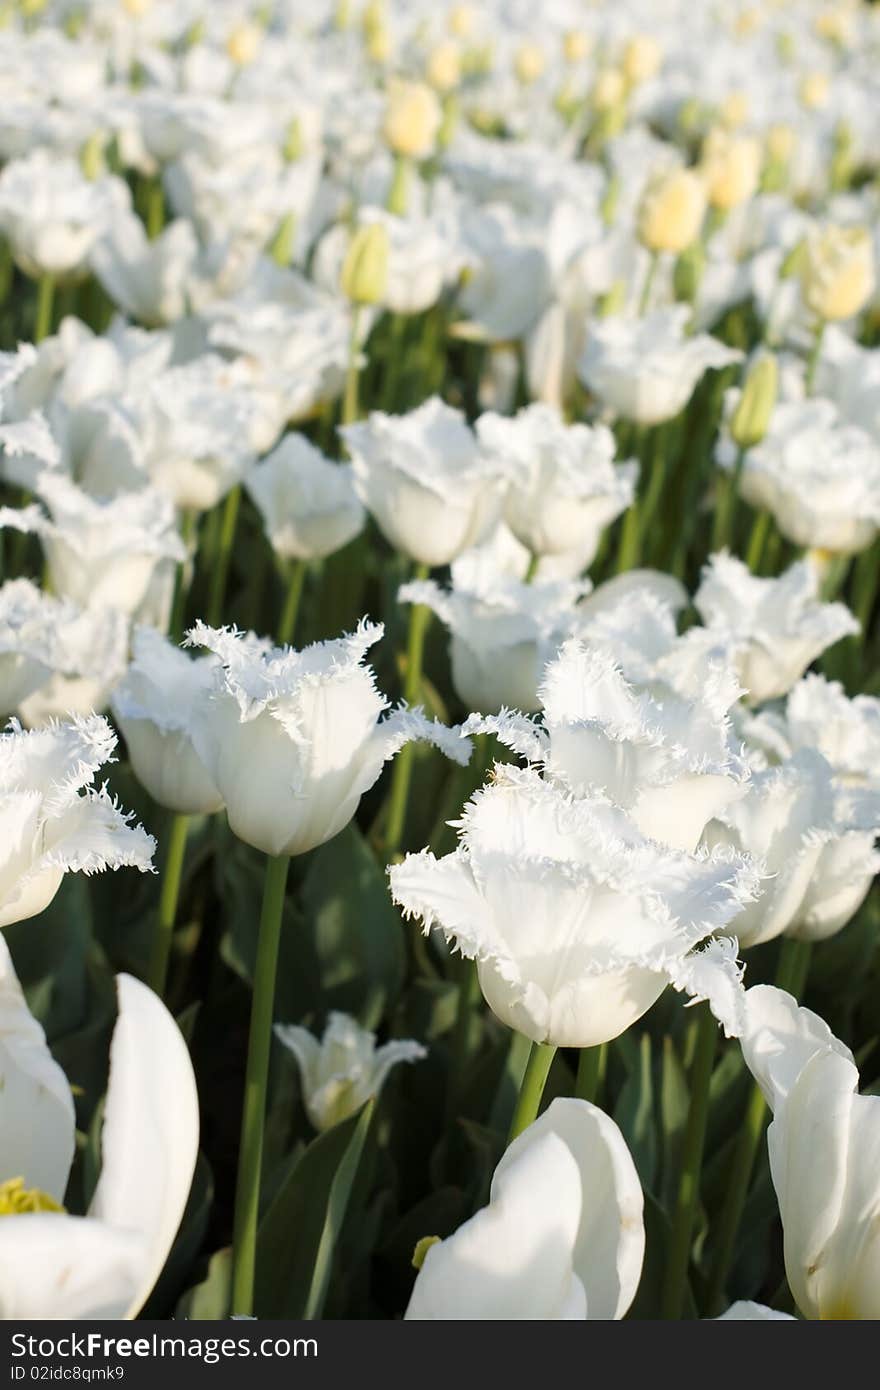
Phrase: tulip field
pixel 439 660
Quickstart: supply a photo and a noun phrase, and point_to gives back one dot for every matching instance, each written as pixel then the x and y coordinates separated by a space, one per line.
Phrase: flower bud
pixel 443 68
pixel 609 89
pixel 838 273
pixel 731 166
pixel 642 57
pixel 779 143
pixel 365 268
pixel 461 21
pixel 412 118
pixel 814 91
pixel 529 63
pixel 137 8
pixel 293 142
pixel 734 110
pixel 243 43
pixel 751 417
pixel 379 45
pixel 576 46
pixel 794 262
pixel 671 211
pixel 281 246
pixel 91 156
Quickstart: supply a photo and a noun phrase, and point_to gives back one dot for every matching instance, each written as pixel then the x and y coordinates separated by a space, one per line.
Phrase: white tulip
pixel 815 843
pixel 147 279
pixel 341 1071
pixel 818 475
pixel 668 761
pixel 100 553
pixel 54 821
pixel 103 1264
pixel 819 714
pixel 293 739
pixel 308 503
pixel 746 1311
pixel 823 1143
pixel 562 1237
pixel 576 921
pixel 155 706
pixel 564 487
pixel 776 627
pixel 645 369
pixel 424 480
pixel 52 215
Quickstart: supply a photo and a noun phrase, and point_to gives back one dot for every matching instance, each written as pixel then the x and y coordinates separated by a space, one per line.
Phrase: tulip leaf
pixel 300 1229
pixel 357 932
pixel 209 1300
pixel 635 1115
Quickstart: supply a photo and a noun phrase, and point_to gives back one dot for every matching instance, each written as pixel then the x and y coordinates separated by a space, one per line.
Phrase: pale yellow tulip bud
pixel 747 22
pixel 342 15
pixel 91 156
pixel 834 25
pixel 642 57
pixel 671 211
pixel 460 21
pixel 838 272
pixel 374 16
pixel 412 118
pixel 243 43
pixel 609 89
pixel 364 275
pixel 814 91
pixel 378 45
pixel 731 166
pixel 780 143
pixel 137 8
pixel 443 68
pixel 751 418
pixel 529 63
pixel 734 110
pixel 576 46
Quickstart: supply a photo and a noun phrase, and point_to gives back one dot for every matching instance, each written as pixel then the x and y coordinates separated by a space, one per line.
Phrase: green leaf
pixel 635 1114
pixel 299 1231
pixel 649 1296
pixel 187 1244
pixel 357 931
pixel 674 1100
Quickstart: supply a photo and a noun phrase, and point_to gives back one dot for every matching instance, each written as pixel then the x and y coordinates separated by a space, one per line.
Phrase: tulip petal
pixel 151 1131
pixel 64 1267
pixel 779 1039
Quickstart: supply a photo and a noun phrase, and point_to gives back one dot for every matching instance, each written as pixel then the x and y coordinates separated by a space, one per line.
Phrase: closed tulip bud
pixel 243 43
pixel 751 417
pixel 281 246
pixel 838 272
pixel 780 143
pixel 794 262
pixel 642 57
pixel 747 21
pixel 443 68
pixel 576 46
pixel 731 166
pixel 734 110
pixel 412 118
pixel 137 8
pixel 292 148
pixel 379 45
pixel 529 63
pixel 461 21
pixel 609 90
pixel 610 199
pixel 842 162
pixel 671 211
pixel 365 268
pixel 814 91
pixel 342 15
pixel 91 158
pixel 687 275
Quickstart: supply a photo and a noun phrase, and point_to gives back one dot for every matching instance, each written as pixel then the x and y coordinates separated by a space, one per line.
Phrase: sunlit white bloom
pixel 819 714
pixel 776 627
pixel 823 1143
pixel 646 369
pixel 56 658
pixel 293 739
pixel 502 631
pixel 308 503
pixel 507 282
pixel 54 821
pixel 576 921
pixel 563 485
pixel 424 480
pixel 818 475
pixel 103 1264
pixel 562 1236
pixel 154 706
pixel 815 842
pixel 343 1069
pixel 667 759
pixel 746 1311
pixel 422 259
pixel 100 554
pixel 147 279
pixel 52 215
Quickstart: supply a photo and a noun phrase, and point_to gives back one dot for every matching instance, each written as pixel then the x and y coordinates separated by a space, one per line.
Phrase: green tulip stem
pixel 649 282
pixel 155 208
pixel 253 1118
pixel 402 773
pixel 188 522
pixel 592 1064
pixel 757 541
pixel 220 568
pixel 725 507
pixel 296 575
pixel 813 359
pixel 160 950
pixel 352 371
pixel 45 306
pixel 688 1193
pixel 738 1178
pixel 532 1089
